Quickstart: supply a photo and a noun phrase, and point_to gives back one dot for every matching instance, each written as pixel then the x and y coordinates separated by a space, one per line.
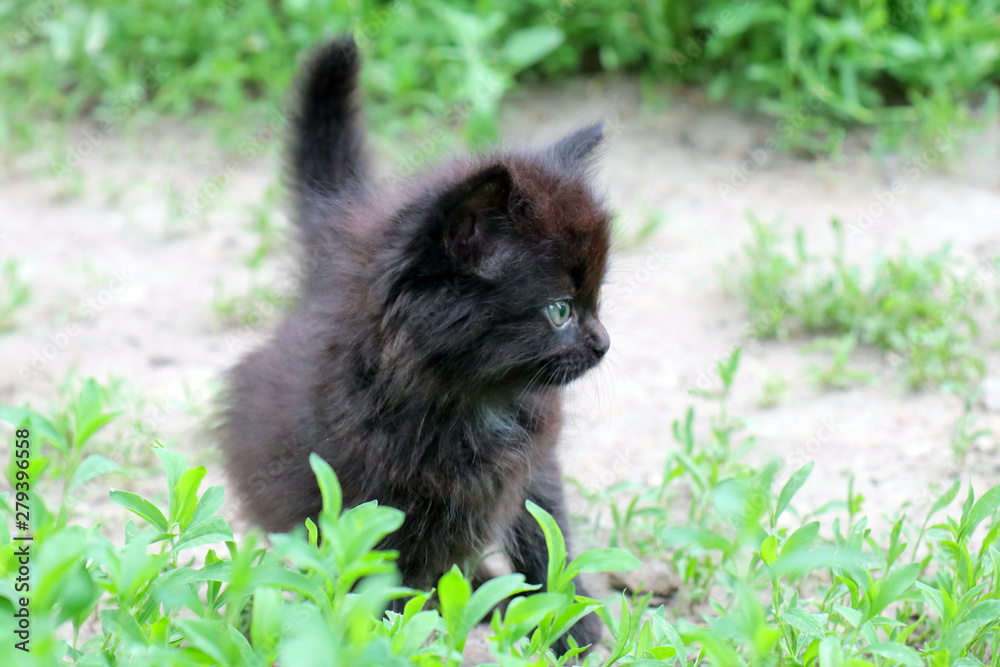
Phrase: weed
pixel 918 309
pixel 832 593
pixel 258 305
pixel 967 429
pixel 627 236
pixel 267 229
pixel 838 374
pixel 773 391
pixel 181 588
pixel 315 597
pixel 818 68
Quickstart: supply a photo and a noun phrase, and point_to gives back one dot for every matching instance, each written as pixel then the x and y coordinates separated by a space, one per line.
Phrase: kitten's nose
pixel 600 341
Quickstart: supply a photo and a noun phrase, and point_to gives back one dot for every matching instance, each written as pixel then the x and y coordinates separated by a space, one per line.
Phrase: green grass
pixel 838 374
pixel 258 305
pixel 768 585
pixel 626 234
pixel 922 311
pixel 818 67
pixel 774 390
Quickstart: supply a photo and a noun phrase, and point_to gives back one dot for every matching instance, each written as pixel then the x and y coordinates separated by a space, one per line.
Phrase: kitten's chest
pixel 480 459
pixel 476 461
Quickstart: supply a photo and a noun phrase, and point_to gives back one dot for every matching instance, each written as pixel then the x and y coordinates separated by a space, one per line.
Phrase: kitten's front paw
pixel 586 631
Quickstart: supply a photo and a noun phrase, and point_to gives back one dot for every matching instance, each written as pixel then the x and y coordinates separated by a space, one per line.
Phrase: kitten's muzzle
pixel 598 339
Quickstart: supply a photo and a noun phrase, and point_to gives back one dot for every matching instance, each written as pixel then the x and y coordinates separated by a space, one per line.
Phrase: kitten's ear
pixel 473 213
pixel 573 152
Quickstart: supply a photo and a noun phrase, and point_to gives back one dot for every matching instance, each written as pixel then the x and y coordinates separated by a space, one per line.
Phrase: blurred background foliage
pixel 897 65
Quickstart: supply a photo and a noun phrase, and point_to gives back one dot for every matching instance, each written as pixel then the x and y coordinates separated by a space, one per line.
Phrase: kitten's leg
pixel 529 555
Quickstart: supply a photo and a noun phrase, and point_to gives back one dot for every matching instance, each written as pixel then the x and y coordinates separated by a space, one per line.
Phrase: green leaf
pixel 210 503
pixel 213 529
pixel 531 610
pixel 568 617
pixel 801 539
pixel 220 571
pixel 329 486
pixel 90 428
pixel 554 542
pixel 769 550
pixel 40 427
pixel 360 528
pixel 139 505
pixel 89 417
pixel 957 639
pixel 627 629
pixel 790 488
pixel 668 631
pixel 932 597
pixel 185 498
pixel 220 641
pixel 853 616
pixel 78 594
pixel 527 46
pixel 490 594
pixel 896 547
pixel 984 612
pixel 966 662
pixel 811 625
pixel 897 652
pixel 265 624
pixel 727 369
pixel 454 592
pixel 983 508
pixel 93 466
pixel 945 499
pixel 600 560
pixel 175 465
pixel 970 499
pixel 415 633
pixel 892 587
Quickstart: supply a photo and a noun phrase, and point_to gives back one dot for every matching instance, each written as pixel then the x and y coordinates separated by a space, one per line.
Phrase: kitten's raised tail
pixel 328 154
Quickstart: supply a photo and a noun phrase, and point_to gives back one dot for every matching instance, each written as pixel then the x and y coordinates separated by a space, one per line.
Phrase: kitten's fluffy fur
pixel 419 361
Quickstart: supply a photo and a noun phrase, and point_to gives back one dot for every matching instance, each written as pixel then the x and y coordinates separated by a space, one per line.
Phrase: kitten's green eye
pixel 559 312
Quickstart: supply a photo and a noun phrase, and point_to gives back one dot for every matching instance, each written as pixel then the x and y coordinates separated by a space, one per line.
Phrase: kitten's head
pixel 497 272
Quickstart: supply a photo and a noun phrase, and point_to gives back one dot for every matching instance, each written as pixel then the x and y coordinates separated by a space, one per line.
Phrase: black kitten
pixel 425 355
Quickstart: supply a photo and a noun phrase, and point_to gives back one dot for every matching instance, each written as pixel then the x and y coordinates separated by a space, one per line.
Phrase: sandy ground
pixel 124 288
